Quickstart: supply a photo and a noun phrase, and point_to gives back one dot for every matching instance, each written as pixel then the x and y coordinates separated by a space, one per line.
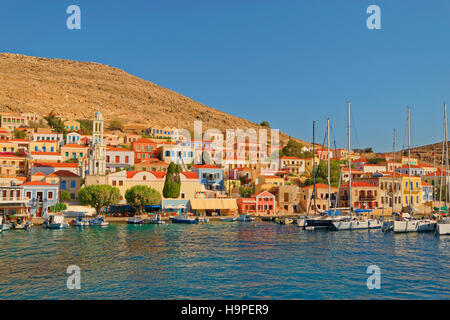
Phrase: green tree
pixel 58 207
pixel 19 134
pixel 85 126
pixel 172 184
pixel 265 124
pixel 246 192
pixel 140 196
pixel 116 125
pixel 322 173
pixel 376 160
pixel 55 123
pixel 65 196
pixel 99 196
pixel 294 149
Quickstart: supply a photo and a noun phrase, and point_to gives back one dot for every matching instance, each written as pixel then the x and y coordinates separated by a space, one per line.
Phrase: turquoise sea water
pixel 219 260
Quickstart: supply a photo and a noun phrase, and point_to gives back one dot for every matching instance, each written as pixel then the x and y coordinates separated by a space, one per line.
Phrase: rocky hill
pixel 76 90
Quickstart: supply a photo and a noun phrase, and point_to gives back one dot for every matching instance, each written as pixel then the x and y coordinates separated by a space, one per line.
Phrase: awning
pixel 213 204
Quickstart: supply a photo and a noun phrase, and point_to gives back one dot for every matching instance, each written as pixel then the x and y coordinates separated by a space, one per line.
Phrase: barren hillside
pixel 77 89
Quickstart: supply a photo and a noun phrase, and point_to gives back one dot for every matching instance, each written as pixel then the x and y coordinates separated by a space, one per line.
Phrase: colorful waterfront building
pixel 210 176
pixel 73 151
pixel 306 197
pixel 41 195
pixel 118 158
pixel 263 203
pixel 364 195
pixel 412 190
pixel 144 149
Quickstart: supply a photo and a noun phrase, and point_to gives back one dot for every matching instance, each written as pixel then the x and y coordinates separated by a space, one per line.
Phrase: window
pixel 114 182
pixel 117 159
pixel 73 184
pixel 50 195
pixel 63 185
pixel 127 159
pixel 120 182
pixel 29 195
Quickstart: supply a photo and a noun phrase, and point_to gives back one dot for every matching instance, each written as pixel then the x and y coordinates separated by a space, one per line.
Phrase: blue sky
pixel 288 62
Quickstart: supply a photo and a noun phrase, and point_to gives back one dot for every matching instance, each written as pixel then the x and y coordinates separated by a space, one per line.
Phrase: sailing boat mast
pixel 446 155
pixel 349 161
pixel 328 159
pixel 409 159
pixel 314 166
pixel 393 173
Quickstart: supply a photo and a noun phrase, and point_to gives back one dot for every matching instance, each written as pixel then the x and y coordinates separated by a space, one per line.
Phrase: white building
pixel 48 135
pixel 118 158
pixel 73 138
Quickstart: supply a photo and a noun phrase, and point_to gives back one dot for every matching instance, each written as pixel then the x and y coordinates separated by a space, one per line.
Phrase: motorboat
pixel 80 222
pixel 443 227
pixel 155 220
pixel 21 222
pixel 4 225
pixel 285 221
pixel 203 219
pixel 55 222
pixel 98 221
pixel 228 219
pixel 321 222
pixel 183 218
pixel 136 220
pixel 245 218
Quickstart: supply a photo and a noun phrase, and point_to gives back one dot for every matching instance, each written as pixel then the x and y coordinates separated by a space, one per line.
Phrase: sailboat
pixel 406 222
pixel 352 222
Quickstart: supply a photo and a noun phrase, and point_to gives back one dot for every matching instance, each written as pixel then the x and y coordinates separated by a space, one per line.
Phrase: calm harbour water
pixel 219 260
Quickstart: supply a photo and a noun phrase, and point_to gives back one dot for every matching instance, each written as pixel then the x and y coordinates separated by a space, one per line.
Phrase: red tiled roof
pixel 42 153
pixel 190 175
pixel 118 149
pixel 204 166
pixel 65 173
pixel 36 183
pixel 292 158
pixel 72 145
pixel 38 174
pixel 359 184
pixel 55 164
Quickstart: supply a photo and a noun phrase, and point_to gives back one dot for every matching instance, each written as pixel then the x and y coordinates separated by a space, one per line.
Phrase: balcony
pixel 367 198
pixel 13 199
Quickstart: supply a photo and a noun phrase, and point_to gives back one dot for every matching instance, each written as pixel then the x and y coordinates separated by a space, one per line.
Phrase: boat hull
pixel 414 226
pixel 56 225
pixel 443 229
pixel 183 220
pixel 357 225
pixel 387 226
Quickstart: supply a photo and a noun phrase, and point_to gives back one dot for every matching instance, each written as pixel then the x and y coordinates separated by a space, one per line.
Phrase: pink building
pixel 260 204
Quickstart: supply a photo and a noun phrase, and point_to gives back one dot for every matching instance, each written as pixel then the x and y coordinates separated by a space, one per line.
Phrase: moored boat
pixel 80 222
pixel 245 218
pixel 136 220
pixel 183 218
pixel 228 219
pixel 443 227
pixel 285 221
pixel 98 221
pixel 55 222
pixel 155 220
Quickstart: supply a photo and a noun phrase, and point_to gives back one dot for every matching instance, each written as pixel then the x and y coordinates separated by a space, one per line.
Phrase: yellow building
pixel 123 180
pixel 73 151
pixel 413 184
pixel 11 166
pixel 309 163
pixel 72 125
pixel 44 146
pixel 413 161
pixel 6 146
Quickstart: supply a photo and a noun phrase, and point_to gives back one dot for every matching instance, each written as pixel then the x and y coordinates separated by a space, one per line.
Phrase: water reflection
pixel 220 260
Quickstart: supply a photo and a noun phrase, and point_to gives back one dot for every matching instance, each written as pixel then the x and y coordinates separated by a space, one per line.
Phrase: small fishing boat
pixel 21 221
pixel 183 218
pixel 268 218
pixel 136 220
pixel 203 219
pixel 285 221
pixel 55 222
pixel 228 219
pixel 98 221
pixel 4 225
pixel 245 218
pixel 155 220
pixel 80 222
